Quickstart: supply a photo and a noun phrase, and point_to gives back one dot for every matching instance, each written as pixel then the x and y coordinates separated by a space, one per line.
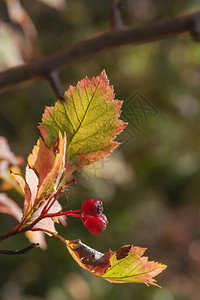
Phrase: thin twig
pixel 115 15
pixel 49 204
pixel 22 251
pixel 9 234
pixel 53 78
pixel 51 233
pixel 150 32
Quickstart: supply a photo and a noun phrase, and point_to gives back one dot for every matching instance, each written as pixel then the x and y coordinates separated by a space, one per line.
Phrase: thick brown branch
pixel 148 33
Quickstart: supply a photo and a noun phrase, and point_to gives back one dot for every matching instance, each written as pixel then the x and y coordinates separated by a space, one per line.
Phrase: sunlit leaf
pixel 89 117
pixel 43 172
pixel 122 266
pixel 48 163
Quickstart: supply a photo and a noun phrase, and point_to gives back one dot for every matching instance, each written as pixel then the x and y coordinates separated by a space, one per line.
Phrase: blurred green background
pixel 150 186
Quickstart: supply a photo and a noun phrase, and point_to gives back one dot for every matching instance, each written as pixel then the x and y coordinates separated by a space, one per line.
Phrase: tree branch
pixel 115 15
pixel 22 251
pixel 150 32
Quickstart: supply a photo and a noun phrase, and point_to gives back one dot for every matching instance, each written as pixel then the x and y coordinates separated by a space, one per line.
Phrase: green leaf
pixel 125 265
pixel 89 117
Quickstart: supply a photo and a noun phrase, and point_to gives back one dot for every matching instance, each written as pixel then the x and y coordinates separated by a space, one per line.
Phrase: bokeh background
pixel 150 186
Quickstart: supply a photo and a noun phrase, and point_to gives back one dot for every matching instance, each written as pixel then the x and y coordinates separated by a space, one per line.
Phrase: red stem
pixel 48 206
pixel 71 213
pixel 44 214
pixel 18 229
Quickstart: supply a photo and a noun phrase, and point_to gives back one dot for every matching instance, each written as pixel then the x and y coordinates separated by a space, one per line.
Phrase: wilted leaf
pixel 89 117
pixel 122 266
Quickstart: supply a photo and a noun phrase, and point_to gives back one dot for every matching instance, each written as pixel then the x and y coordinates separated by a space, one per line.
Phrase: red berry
pixel 95 224
pixel 92 207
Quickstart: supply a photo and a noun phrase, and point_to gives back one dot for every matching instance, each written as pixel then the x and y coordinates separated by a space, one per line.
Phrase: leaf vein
pixel 85 113
pixel 68 116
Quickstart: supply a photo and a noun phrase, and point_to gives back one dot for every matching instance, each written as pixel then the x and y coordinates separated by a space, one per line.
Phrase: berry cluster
pixel 92 217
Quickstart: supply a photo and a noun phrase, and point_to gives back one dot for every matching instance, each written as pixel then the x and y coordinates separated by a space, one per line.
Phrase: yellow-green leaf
pixel 125 265
pixel 89 117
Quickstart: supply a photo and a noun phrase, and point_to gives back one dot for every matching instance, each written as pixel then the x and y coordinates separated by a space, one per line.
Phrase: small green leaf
pixel 122 266
pixel 89 117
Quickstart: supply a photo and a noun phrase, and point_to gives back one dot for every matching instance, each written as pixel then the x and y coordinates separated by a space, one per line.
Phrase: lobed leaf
pixel 122 266
pixel 89 118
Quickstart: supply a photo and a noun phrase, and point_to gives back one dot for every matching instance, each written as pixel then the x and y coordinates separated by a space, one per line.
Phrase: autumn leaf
pixel 49 164
pixel 125 265
pixel 89 117
pixel 43 173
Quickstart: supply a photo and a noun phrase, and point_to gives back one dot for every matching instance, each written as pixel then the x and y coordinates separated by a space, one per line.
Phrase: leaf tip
pixel 103 73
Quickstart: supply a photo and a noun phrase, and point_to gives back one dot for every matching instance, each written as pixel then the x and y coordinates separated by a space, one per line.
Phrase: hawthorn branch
pixel 153 31
pixel 22 251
